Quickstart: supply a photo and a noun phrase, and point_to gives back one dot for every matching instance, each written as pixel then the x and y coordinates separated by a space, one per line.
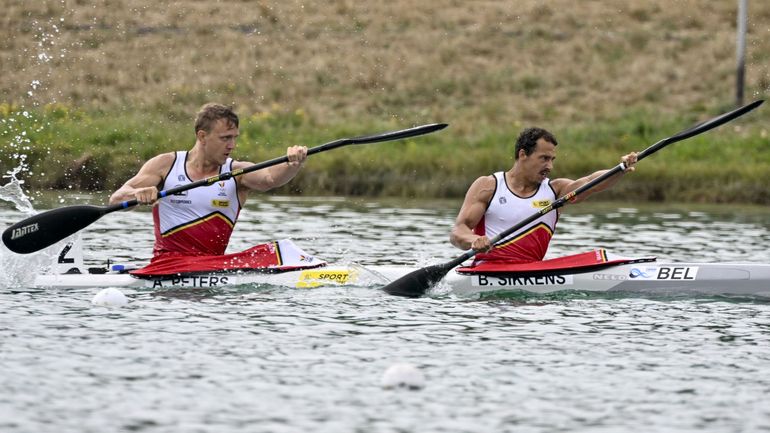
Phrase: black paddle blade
pixel 47 228
pixel 398 135
pixel 416 283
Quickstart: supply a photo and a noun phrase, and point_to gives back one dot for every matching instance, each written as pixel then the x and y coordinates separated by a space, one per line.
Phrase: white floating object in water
pixel 111 297
pixel 403 375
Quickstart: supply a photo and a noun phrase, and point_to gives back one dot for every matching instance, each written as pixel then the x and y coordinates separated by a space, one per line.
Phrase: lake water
pixel 267 359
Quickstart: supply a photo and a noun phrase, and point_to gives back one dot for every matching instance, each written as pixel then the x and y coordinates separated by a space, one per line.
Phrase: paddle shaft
pixel 365 139
pixel 695 130
pixel 416 283
pixel 46 228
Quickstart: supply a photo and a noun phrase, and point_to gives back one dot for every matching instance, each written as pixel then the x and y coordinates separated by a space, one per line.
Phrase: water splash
pixel 20 270
pixel 12 272
pixel 18 124
pixel 13 193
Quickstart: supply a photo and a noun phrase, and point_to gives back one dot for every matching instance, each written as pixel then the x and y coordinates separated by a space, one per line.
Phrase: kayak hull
pixel 300 278
pixel 660 279
pixel 651 278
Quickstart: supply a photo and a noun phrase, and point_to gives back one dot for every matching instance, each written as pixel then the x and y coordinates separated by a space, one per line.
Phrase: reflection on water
pixel 250 359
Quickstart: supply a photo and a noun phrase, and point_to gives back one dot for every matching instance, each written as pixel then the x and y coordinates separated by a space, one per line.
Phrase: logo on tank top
pixel 503 200
pixel 222 192
pixel 541 203
pixel 220 203
pixel 180 193
pixel 180 200
pixel 180 177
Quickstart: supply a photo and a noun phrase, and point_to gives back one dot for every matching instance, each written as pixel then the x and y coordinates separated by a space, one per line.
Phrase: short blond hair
pixel 210 113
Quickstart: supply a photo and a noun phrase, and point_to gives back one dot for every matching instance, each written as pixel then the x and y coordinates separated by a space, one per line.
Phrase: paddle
pixel 47 228
pixel 416 283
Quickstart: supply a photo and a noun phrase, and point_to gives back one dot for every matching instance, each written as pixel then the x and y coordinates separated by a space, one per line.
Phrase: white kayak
pixel 651 278
pixel 299 278
pixel 644 276
pixel 648 278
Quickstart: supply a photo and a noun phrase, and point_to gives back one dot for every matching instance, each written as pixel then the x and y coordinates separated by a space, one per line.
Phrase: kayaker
pixel 497 202
pixel 198 222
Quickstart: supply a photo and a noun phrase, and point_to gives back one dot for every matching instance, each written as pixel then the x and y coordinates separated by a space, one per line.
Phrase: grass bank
pixel 67 148
pixel 106 84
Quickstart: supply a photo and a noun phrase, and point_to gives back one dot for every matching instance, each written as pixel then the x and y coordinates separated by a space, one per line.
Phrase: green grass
pixel 729 164
pixel 105 88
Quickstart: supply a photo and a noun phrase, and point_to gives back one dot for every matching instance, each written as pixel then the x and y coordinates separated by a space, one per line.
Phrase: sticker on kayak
pixel 315 277
pixel 664 273
pixel 191 281
pixel 512 281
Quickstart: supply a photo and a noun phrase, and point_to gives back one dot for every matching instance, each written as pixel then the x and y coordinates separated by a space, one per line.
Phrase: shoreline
pixel 68 149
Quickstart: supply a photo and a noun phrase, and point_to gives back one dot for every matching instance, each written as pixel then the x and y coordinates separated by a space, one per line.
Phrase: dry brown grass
pixel 474 64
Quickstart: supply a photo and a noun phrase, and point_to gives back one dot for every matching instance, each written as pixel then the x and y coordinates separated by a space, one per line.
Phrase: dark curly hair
pixel 528 140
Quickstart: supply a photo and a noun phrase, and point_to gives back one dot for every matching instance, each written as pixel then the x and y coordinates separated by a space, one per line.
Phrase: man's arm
pixel 564 186
pixel 275 176
pixel 473 209
pixel 144 185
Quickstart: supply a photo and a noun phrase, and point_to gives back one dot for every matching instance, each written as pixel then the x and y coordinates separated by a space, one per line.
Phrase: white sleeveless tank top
pixel 197 221
pixel 505 210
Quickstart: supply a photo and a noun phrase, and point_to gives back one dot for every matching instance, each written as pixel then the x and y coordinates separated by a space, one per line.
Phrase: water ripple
pixel 264 359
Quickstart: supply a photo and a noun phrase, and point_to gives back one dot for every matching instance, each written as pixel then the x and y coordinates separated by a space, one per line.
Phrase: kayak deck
pixel 302 278
pixel 710 279
pixel 650 278
pixel 603 272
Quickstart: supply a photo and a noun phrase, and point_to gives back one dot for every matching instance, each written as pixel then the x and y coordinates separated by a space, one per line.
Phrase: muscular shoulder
pixel 152 172
pixel 160 164
pixel 241 164
pixel 561 186
pixel 483 188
